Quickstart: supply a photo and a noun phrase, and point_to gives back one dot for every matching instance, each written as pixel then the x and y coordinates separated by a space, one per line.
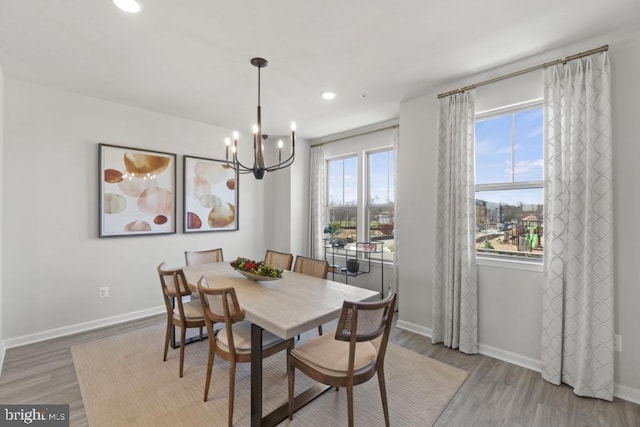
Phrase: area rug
pixel 124 382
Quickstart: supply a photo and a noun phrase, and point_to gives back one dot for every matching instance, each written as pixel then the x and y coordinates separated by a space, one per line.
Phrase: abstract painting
pixel 210 195
pixel 137 191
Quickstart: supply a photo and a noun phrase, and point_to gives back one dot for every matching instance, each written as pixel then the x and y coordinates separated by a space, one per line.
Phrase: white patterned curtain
pixel 317 202
pixel 455 284
pixel 577 309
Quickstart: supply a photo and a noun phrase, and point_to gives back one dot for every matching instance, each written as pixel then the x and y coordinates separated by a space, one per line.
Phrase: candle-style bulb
pixel 227 141
pixel 236 135
pixel 280 144
pixel 293 126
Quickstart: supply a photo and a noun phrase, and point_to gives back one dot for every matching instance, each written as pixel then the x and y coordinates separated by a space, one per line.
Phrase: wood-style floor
pixel 495 393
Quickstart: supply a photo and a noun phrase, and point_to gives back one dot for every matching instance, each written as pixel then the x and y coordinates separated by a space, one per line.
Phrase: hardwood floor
pixel 496 393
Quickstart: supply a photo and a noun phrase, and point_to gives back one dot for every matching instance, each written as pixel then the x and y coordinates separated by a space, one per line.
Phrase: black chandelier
pixel 258 169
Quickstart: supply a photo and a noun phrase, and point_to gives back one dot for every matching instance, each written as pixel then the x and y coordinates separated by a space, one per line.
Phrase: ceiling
pixel 190 58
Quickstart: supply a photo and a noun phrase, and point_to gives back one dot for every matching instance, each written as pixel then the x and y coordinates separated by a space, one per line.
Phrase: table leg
pixel 256 375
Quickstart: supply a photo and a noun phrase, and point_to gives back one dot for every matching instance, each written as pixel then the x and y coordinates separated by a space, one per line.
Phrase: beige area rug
pixel 124 382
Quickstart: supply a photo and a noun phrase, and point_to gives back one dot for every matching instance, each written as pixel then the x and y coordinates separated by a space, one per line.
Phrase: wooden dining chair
pixel 281 260
pixel 351 356
pixel 179 314
pixel 233 342
pixel 312 267
pixel 203 257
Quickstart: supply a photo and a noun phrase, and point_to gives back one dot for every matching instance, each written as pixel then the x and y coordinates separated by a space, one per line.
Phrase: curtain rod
pixel 526 70
pixel 361 132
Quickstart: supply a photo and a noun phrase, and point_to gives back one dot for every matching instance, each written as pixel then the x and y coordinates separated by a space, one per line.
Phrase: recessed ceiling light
pixel 131 6
pixel 328 95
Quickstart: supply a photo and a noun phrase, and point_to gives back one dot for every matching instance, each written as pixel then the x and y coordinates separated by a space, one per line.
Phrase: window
pixel 342 197
pixel 509 182
pixel 361 197
pixel 381 200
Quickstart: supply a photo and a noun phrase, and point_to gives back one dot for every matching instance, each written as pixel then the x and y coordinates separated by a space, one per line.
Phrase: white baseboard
pixel 412 327
pixel 620 391
pixel 74 329
pixel 2 352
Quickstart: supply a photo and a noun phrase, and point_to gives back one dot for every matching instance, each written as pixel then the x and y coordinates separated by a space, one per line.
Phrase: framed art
pixel 210 195
pixel 137 191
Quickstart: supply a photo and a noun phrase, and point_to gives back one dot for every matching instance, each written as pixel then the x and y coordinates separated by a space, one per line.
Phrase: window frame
pixel 492 259
pixel 368 205
pixel 362 202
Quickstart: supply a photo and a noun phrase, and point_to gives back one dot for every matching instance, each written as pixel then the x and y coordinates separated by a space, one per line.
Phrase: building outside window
pixel 509 182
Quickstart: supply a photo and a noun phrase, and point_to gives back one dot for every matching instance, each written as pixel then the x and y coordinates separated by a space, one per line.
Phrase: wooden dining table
pixel 286 307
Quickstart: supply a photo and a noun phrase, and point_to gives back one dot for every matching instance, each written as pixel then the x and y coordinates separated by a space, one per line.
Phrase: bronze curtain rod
pixel 526 70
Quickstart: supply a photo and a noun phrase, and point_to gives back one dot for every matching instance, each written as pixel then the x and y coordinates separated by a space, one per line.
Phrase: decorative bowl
pixel 256 277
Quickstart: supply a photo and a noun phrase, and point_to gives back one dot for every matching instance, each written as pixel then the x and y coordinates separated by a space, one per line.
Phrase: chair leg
pixel 183 335
pixel 232 387
pixel 210 360
pixel 350 404
pixel 291 374
pixel 383 395
pixel 166 341
pixel 201 336
pixel 320 330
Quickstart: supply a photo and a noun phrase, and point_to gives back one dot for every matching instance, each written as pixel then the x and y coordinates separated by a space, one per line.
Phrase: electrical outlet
pixel 104 292
pixel 617 343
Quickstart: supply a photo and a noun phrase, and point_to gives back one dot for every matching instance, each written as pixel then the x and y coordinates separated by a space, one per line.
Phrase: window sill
pixel 510 263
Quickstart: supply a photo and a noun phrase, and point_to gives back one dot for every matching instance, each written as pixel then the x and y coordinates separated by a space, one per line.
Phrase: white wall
pixel 510 299
pixel 53 260
pixel 2 349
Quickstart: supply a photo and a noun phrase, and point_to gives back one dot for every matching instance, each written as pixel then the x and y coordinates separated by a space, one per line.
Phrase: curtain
pixel 317 202
pixel 577 303
pixel 396 211
pixel 455 296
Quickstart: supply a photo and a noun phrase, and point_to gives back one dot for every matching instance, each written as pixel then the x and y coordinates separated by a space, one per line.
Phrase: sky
pixel 503 159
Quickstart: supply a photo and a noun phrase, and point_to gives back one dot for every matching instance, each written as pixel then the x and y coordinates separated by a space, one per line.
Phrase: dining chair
pixel 350 357
pixel 312 267
pixel 281 260
pixel 233 342
pixel 203 257
pixel 179 313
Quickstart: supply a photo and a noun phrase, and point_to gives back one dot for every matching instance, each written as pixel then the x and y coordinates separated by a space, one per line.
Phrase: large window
pixel 509 182
pixel 360 199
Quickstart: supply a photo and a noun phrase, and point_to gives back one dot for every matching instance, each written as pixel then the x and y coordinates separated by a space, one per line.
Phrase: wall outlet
pixel 617 343
pixel 104 292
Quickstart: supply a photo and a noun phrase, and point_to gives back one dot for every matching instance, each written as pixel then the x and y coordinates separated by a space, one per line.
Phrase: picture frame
pixel 211 195
pixel 137 191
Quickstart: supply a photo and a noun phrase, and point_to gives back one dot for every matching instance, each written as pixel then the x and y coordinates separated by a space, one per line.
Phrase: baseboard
pixel 626 393
pixel 74 329
pixel 2 352
pixel 412 327
pixel 620 391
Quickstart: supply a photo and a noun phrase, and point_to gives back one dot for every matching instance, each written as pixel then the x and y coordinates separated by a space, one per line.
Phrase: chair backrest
pixel 174 287
pixel 366 321
pixel 220 305
pixel 311 267
pixel 281 260
pixel 203 257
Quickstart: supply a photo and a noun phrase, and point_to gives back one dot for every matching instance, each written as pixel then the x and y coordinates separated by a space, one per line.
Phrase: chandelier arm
pixel 237 165
pixel 288 162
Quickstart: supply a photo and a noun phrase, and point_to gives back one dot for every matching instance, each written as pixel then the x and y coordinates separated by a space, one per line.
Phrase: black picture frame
pixel 137 191
pixel 210 194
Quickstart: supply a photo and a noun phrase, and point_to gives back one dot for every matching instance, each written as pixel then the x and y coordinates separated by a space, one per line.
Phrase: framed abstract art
pixel 210 195
pixel 137 191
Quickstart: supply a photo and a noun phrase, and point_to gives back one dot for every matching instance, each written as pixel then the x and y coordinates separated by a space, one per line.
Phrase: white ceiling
pixel 190 58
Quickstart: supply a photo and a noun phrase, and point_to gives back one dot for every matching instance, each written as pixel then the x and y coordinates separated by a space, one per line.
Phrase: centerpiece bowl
pixel 256 270
pixel 256 277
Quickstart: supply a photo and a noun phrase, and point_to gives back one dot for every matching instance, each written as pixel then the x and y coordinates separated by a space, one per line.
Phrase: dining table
pixel 286 307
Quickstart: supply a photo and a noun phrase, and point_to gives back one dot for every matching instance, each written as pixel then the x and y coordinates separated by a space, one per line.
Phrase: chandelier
pixel 258 169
